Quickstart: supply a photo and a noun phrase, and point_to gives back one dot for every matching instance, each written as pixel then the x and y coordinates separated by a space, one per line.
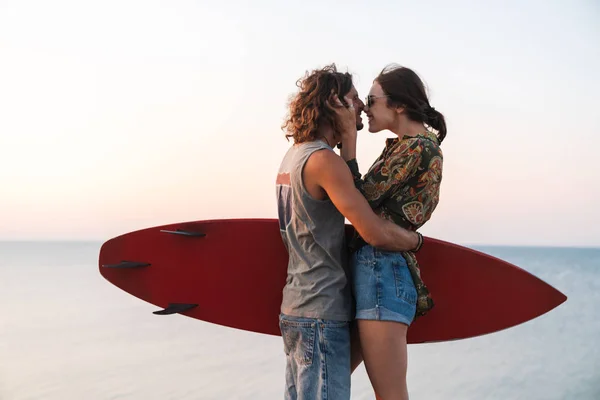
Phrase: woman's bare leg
pixel 384 349
pixel 355 351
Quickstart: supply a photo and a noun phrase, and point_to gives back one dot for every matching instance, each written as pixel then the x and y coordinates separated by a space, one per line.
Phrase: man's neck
pixel 325 134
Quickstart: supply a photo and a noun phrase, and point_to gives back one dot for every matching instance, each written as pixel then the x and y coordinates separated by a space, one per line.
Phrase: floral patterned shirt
pixel 403 185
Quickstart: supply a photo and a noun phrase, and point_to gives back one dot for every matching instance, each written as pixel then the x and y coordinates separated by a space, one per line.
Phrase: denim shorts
pixel 382 286
pixel 317 358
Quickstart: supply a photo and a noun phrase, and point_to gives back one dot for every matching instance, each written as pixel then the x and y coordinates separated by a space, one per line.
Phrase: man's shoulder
pixel 324 159
pixel 326 167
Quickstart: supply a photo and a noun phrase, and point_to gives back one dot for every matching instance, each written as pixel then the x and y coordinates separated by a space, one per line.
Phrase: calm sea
pixel 66 333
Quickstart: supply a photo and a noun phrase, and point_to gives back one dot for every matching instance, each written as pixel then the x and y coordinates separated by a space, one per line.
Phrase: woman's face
pixel 380 115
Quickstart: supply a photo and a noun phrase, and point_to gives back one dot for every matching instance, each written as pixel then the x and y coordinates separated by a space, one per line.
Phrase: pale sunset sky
pixel 121 115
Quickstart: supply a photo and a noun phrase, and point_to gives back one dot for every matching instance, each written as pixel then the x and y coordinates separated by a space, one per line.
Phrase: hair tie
pixel 426 109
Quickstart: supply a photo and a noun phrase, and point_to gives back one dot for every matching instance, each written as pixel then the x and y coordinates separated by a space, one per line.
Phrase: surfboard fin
pixel 127 264
pixel 184 233
pixel 174 308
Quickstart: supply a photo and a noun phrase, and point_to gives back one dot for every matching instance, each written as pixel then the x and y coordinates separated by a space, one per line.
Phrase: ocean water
pixel 66 333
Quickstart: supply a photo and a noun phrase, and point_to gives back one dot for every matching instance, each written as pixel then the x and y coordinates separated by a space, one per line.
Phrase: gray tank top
pixel 317 284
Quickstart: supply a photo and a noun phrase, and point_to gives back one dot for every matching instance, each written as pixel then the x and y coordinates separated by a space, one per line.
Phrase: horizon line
pixel 101 241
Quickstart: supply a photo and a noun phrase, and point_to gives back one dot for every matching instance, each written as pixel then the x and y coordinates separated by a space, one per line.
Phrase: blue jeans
pixel 317 358
pixel 382 286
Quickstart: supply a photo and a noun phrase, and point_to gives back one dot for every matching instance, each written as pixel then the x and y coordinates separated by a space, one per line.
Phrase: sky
pixel 121 115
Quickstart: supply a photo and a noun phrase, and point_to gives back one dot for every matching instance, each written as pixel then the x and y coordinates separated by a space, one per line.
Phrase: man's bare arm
pixel 331 173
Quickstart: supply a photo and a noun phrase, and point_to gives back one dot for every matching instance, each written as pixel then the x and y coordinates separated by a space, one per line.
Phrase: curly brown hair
pixel 307 109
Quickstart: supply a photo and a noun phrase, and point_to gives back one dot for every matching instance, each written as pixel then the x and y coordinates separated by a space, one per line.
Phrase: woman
pixel 402 185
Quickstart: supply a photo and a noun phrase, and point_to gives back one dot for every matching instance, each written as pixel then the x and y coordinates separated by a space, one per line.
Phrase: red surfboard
pixel 231 272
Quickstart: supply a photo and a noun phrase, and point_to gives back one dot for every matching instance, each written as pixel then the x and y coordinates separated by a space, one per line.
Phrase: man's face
pixel 358 107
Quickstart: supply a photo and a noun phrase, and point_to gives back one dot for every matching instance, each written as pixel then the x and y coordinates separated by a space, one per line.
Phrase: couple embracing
pixel 352 299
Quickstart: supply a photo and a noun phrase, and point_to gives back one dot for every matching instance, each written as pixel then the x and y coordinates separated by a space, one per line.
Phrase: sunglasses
pixel 370 100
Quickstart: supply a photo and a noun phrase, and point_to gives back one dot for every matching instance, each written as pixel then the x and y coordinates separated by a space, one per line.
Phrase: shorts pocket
pixel 298 340
pixel 405 287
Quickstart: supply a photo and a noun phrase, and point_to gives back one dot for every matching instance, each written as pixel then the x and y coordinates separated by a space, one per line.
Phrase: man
pixel 315 193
